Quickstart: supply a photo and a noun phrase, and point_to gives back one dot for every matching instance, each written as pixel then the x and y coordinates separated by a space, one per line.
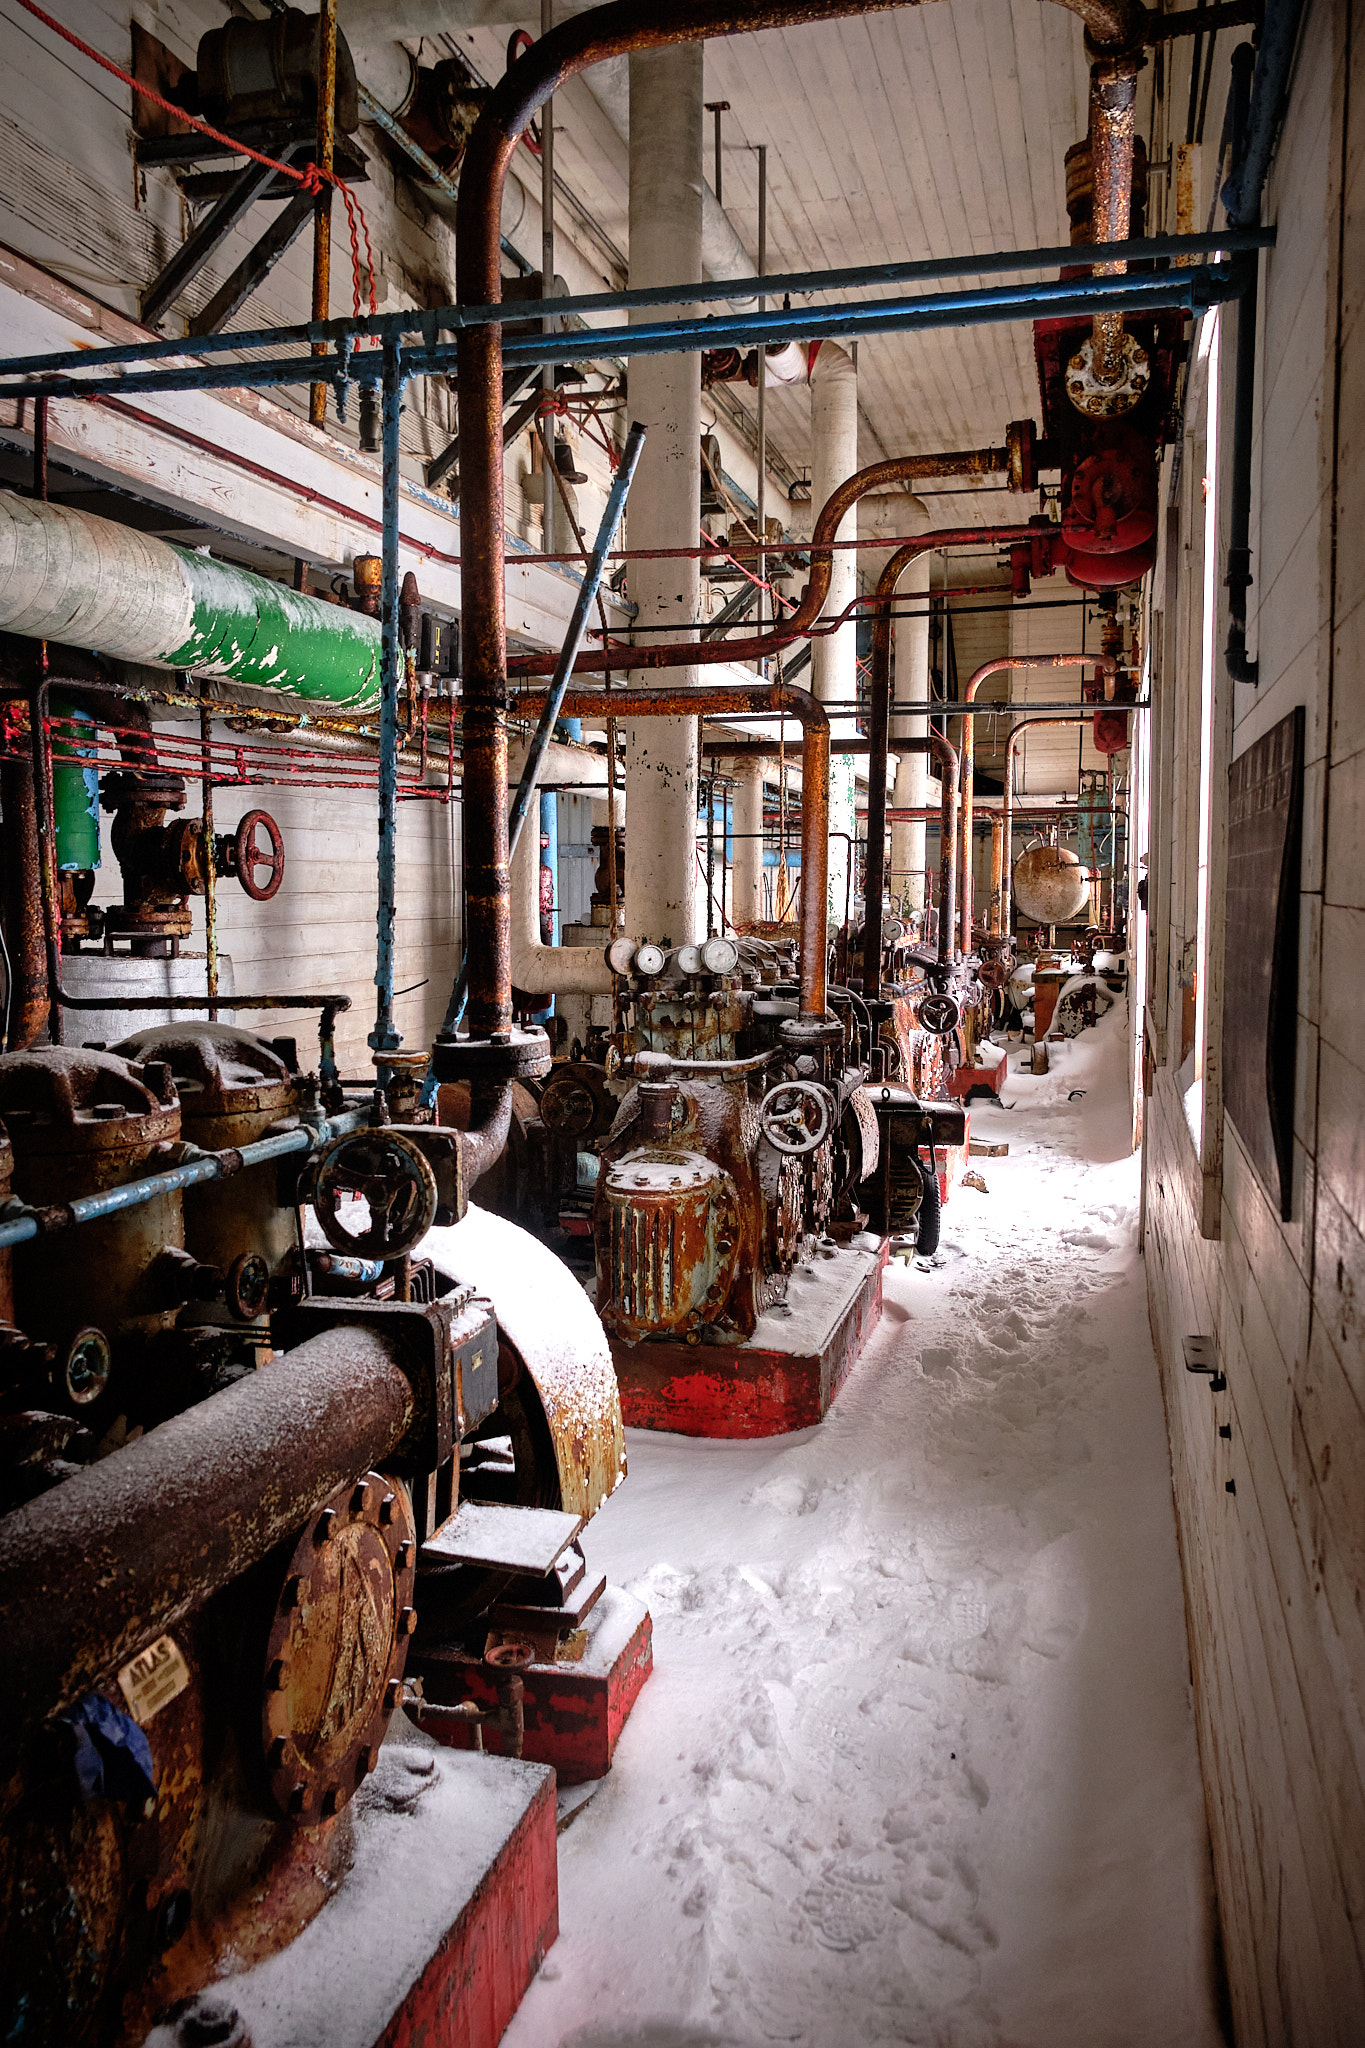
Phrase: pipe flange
pixel 801 1033
pixel 524 1056
pixel 1099 400
pixel 1021 440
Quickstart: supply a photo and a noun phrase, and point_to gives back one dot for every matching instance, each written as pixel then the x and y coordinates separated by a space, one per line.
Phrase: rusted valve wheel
pixel 940 1014
pixel 785 1117
pixel 247 856
pixel 395 1179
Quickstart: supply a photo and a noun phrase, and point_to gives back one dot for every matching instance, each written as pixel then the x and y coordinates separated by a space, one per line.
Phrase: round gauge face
pixel 649 959
pixel 720 956
pixel 892 930
pixel 689 960
pixel 620 954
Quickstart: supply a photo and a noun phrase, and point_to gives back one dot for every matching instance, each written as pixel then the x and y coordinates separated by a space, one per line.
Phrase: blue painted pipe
pixel 1189 290
pixel 134 1193
pixel 795 284
pixel 384 1038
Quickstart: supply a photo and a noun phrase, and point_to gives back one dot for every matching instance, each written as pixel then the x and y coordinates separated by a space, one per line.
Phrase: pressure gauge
pixel 649 959
pixel 720 956
pixel 689 960
pixel 620 955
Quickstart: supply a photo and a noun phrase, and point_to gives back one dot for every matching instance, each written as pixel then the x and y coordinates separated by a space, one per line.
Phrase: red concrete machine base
pixel 575 1707
pixel 783 1378
pixel 445 1915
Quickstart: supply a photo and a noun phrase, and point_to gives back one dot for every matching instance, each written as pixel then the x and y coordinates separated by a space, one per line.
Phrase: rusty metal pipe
pixel 587 39
pixel 1007 822
pixel 1113 105
pixel 125 1549
pixel 997 870
pixel 490 1120
pixel 966 887
pixel 715 700
pixel 29 1000
pixel 325 149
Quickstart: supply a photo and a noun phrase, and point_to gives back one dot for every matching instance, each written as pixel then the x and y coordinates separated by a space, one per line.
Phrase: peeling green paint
pixel 254 631
pixel 75 793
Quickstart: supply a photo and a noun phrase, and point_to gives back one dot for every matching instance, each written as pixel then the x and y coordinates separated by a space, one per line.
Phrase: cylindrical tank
pixel 666 1232
pixel 81 1122
pixel 1050 885
pixel 75 792
pixel 233 1088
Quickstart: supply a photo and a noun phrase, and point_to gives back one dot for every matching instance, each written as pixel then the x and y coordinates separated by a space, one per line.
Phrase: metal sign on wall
pixel 1260 1013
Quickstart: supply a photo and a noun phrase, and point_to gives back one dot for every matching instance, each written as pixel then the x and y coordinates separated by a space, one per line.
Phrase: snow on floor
pixel 917 1762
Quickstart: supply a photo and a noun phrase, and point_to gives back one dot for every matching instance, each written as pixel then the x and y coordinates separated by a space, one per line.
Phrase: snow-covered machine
pixel 276 1433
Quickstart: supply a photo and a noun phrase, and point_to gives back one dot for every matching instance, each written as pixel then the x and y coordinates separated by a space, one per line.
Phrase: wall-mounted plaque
pixel 1261 976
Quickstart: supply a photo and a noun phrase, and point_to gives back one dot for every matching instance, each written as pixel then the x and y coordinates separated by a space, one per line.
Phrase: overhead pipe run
pixel 614 30
pixel 74 577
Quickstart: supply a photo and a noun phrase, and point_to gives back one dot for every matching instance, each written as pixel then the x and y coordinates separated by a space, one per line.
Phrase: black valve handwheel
pixel 940 1014
pixel 785 1117
pixel 395 1179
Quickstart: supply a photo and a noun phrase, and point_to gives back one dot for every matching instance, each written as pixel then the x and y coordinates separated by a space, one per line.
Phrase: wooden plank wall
pixel 1269 1472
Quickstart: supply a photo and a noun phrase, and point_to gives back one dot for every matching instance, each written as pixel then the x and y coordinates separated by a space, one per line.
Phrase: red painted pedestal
pixel 444 1917
pixel 576 1708
pixel 952 1161
pixel 783 1378
pixel 962 1080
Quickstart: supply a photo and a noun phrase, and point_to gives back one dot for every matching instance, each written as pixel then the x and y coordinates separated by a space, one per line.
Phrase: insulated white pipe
pixel 834 656
pixel 665 499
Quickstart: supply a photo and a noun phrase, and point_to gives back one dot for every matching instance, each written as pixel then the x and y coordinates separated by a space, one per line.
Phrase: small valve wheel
pixel 940 1014
pixel 395 1179
pixel 248 1286
pixel 248 857
pixel 794 1117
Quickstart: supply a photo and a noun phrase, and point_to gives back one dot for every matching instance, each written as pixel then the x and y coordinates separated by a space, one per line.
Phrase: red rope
pixel 311 177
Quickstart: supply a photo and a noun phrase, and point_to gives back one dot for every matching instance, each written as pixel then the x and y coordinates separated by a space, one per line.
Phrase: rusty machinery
pixel 237 1407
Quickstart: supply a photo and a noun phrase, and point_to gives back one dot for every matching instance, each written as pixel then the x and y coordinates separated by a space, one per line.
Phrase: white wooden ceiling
pixel 926 131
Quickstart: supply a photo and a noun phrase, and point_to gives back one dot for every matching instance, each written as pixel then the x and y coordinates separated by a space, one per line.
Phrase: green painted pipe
pixel 75 793
pixel 88 582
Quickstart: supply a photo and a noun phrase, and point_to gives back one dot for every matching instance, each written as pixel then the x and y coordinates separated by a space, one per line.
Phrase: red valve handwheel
pixel 248 856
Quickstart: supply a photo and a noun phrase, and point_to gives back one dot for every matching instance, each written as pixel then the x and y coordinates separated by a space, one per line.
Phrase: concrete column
pixel 665 501
pixel 747 873
pixel 834 658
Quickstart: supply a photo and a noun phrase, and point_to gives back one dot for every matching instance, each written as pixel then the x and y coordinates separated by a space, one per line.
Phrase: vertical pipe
pixel 40 741
pixel 1113 102
pixel 210 865
pixel 666 129
pixel 384 1038
pixel 551 521
pixel 761 489
pixel 997 870
pixel 746 900
pixel 322 204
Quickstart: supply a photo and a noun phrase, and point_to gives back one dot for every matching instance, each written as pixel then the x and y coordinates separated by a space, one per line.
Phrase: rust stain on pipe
pixel 24 932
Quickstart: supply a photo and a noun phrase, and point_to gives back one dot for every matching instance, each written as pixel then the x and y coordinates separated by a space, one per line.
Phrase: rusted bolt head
pixel 326 1523
pixel 211 2022
pixel 393 1693
pixel 277 1678
pixel 388 1508
pixel 403 1557
pixel 331 1800
pixel 360 1499
pixel 293 1591
pixel 406 1622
